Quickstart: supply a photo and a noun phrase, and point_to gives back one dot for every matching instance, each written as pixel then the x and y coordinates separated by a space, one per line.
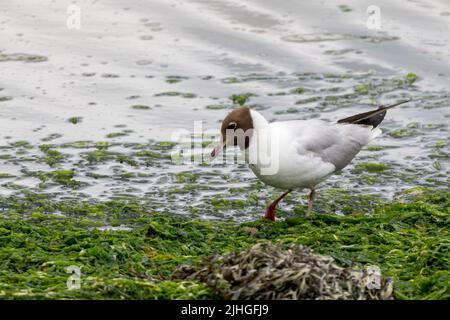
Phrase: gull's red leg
pixel 271 207
pixel 312 197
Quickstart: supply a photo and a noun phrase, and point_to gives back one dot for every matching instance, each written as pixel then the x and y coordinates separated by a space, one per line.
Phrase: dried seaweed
pixel 269 271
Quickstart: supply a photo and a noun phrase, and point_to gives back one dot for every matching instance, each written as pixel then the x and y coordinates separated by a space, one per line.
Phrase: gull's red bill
pixel 215 152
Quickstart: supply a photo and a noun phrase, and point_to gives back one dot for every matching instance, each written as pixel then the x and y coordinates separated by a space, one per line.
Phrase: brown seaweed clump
pixel 268 271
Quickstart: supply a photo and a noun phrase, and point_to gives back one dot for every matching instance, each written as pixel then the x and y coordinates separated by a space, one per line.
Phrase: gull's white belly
pixel 295 176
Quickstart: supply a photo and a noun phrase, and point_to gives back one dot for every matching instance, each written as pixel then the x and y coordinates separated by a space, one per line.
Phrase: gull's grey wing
pixel 337 144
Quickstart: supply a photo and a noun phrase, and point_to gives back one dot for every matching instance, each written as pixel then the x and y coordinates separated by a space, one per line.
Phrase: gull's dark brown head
pixel 235 130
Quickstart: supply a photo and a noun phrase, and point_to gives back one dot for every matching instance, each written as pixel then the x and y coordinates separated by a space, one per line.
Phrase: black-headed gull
pixel 297 154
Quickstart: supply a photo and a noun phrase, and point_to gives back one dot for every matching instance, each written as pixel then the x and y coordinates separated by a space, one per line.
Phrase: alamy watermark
pixel 74 280
pixel 74 19
pixel 373 22
pixel 374 277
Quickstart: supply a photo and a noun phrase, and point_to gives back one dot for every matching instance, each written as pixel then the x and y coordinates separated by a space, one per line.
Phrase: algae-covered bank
pixel 40 239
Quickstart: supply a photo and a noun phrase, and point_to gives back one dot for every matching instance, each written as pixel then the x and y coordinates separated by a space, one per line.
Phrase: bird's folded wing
pixel 336 144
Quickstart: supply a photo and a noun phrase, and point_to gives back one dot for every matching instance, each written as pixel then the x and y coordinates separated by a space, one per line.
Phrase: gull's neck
pixel 259 122
pixel 260 132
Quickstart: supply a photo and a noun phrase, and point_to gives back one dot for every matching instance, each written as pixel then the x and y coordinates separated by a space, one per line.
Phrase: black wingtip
pixel 371 118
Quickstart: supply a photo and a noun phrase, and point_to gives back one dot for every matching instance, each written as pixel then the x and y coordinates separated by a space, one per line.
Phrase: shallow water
pixel 137 71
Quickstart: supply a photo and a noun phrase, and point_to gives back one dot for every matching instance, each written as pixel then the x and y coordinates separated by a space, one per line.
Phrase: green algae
pixel 23 57
pixel 322 37
pixel 99 156
pixel 140 107
pixel 5 98
pixel 407 80
pixel 175 79
pixel 411 78
pixel 288 110
pixel 362 88
pixel 75 120
pixel 102 155
pixel 78 144
pixel 340 52
pixel 403 133
pixel 216 106
pixel 51 137
pixel 163 145
pixel 63 177
pixel 344 8
pixel 409 241
pixel 184 177
pixel 52 157
pixel 176 94
pixel 374 148
pixel 371 167
pixel 439 144
pixel 242 98
pixel 230 80
pixel 123 133
pixel 298 90
pixel 315 37
pixel 150 155
pixel 122 158
pixel 308 100
pixel 4 175
pixel 22 144
pixel 339 201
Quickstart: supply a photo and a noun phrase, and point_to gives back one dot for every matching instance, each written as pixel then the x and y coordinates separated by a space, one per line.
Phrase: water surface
pixel 109 95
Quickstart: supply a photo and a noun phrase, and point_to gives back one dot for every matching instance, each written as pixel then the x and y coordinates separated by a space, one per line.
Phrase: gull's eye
pixel 232 125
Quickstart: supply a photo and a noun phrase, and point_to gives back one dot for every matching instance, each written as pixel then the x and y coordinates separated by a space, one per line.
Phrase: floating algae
pixel 24 57
pixel 75 120
pixel 268 271
pixel 242 98
pixel 5 98
pixel 321 37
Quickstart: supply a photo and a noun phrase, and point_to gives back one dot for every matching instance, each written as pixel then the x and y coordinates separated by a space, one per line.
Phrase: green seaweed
pixel 123 133
pixel 371 167
pixel 216 106
pixel 62 177
pixel 175 79
pixel 176 94
pixel 439 144
pixel 122 158
pixel 409 241
pixel 140 107
pixel 298 90
pixel 362 88
pixel 403 133
pixel 4 175
pixel 23 57
pixel 374 148
pixel 98 156
pixel 52 157
pixel 75 120
pixel 242 98
pixel 411 78
pixel 344 8
pixel 22 144
pixel 5 98
pixel 308 100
